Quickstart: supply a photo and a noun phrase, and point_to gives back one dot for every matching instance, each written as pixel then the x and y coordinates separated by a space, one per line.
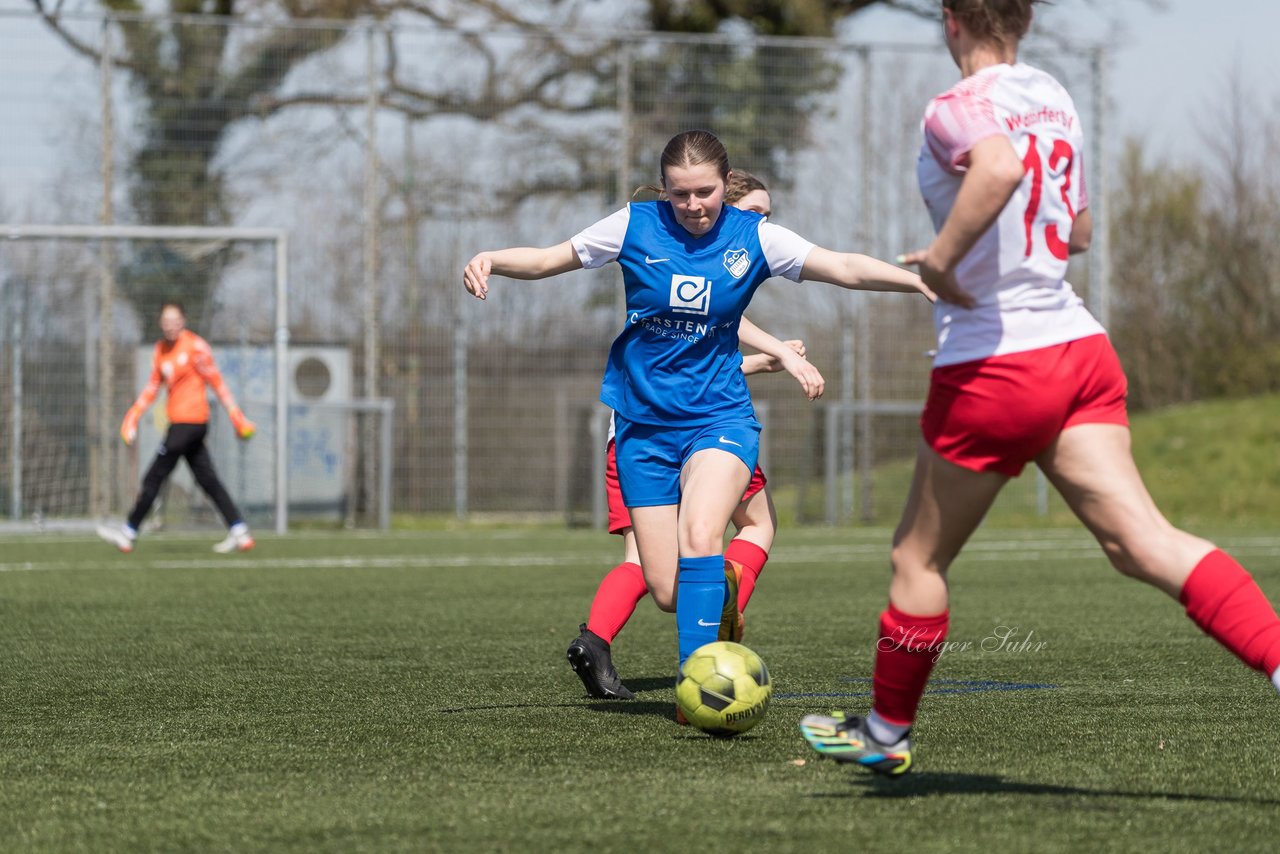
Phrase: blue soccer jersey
pixel 676 360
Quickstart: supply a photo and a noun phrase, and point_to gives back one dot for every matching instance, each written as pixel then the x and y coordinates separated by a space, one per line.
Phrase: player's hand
pixel 939 284
pixel 244 427
pixel 770 364
pixel 129 429
pixel 475 277
pixel 809 377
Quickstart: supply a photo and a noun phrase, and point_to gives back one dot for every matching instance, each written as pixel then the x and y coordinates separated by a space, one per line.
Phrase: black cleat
pixel 589 657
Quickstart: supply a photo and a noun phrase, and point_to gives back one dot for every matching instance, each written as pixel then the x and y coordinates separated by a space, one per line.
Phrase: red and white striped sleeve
pixel 957 120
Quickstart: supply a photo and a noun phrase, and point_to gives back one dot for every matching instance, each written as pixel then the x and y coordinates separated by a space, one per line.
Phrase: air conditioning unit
pixel 320 430
pixel 319 375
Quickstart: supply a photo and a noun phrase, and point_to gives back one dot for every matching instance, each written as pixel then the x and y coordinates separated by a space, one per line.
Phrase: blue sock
pixel 700 592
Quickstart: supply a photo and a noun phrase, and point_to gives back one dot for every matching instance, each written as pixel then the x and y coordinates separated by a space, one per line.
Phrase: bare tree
pixel 196 79
pixel 1159 247
pixel 1195 260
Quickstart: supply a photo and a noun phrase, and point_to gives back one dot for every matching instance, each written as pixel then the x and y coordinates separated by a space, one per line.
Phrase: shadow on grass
pixel 662 710
pixel 930 783
pixel 650 683
pixel 502 707
pixel 634 707
pixel 628 707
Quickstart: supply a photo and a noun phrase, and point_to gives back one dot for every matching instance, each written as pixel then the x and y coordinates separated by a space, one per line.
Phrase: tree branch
pixel 51 18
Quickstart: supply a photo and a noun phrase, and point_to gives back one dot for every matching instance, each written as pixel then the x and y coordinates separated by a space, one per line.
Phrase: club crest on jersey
pixel 690 294
pixel 736 261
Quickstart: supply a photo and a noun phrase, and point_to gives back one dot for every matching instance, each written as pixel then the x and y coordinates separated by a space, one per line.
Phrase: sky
pixel 1169 63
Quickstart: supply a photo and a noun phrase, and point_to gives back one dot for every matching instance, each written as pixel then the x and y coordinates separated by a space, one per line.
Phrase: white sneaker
pixel 241 542
pixel 117 537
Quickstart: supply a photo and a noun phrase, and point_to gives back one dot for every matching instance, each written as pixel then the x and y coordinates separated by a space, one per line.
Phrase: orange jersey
pixel 185 367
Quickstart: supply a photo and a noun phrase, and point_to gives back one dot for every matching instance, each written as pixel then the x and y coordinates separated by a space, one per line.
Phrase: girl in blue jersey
pixel 590 654
pixel 687 436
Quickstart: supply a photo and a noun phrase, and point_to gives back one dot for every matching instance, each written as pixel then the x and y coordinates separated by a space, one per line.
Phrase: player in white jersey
pixel 687 436
pixel 1023 373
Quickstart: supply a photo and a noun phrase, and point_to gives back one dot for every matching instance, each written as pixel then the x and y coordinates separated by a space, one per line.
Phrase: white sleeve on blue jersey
pixel 601 243
pixel 784 250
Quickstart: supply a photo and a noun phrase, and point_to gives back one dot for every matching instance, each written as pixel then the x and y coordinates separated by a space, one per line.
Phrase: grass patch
pixel 408 692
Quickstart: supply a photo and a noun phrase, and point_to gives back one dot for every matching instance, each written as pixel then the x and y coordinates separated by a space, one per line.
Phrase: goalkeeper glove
pixel 244 427
pixel 129 429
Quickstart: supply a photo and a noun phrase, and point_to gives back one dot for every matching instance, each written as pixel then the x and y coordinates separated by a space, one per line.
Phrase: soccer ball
pixel 723 689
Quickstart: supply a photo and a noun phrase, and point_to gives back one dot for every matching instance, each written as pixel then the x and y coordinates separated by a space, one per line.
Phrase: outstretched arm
pixel 522 262
pixel 860 273
pixel 789 355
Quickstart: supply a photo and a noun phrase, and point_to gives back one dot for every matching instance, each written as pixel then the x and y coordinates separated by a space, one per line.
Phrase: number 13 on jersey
pixel 1049 207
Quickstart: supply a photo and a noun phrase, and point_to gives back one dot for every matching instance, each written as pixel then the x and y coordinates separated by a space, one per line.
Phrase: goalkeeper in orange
pixel 183 363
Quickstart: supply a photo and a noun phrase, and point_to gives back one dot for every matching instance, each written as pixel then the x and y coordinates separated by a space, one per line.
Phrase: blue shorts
pixel 650 457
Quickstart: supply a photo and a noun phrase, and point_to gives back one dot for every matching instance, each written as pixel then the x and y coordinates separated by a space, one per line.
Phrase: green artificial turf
pixel 408 692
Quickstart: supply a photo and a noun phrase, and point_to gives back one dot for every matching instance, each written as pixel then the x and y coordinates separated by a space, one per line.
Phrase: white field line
pixel 835 554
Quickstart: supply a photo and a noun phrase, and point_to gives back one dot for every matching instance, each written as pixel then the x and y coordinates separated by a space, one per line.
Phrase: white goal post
pixel 276 237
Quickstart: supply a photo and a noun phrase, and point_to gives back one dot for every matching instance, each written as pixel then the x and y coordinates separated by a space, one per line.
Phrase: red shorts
pixel 998 414
pixel 620 519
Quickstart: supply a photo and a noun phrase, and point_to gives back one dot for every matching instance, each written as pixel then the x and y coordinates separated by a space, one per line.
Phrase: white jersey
pixel 1016 269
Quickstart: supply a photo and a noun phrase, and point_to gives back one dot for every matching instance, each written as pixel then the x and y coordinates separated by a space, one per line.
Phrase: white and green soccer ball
pixel 724 689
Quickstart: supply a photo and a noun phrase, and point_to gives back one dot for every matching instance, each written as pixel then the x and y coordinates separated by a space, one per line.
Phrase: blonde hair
pixel 993 20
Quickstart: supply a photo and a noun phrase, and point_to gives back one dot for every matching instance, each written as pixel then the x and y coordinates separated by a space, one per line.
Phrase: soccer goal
pixel 78 322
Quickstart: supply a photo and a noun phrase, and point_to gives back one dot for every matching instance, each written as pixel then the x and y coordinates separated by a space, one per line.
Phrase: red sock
pixel 905 655
pixel 750 558
pixel 1222 598
pixel 616 600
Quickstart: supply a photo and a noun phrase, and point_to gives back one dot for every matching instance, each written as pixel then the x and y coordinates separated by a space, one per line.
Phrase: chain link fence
pixel 391 152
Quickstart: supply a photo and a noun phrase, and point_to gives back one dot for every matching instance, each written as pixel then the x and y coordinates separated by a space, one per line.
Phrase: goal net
pixel 79 308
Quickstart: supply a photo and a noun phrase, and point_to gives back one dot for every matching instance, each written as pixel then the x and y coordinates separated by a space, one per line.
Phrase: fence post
pixel 282 383
pixel 1100 256
pixel 865 457
pixel 17 310
pixel 388 409
pixel 862 461
pixel 831 462
pixel 599 439
pixel 101 451
pixel 461 448
pixel 626 111
pixel 370 265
